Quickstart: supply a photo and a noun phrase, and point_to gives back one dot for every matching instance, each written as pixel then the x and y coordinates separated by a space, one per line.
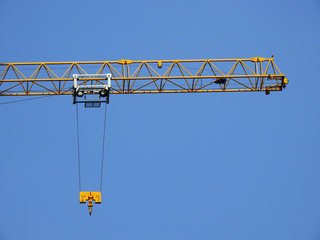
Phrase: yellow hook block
pixel 90 197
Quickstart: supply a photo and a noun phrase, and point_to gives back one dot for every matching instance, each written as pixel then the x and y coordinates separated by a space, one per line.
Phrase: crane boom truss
pixel 156 76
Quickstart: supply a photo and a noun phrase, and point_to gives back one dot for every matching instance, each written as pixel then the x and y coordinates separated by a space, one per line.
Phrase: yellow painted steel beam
pixel 155 76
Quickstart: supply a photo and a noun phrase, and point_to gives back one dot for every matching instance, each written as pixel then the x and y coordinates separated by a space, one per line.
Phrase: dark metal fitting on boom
pixel 82 89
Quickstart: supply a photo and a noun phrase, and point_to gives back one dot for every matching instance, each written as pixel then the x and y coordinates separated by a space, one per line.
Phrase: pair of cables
pixel 103 143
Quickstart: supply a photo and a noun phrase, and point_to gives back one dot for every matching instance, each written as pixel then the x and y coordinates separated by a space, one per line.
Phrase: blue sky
pixel 178 166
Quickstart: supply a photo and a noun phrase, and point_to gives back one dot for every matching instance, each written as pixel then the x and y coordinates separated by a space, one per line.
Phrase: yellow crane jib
pixel 88 79
pixel 90 197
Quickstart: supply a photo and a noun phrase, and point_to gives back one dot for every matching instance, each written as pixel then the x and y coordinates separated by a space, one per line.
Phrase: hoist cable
pixel 103 141
pixel 78 141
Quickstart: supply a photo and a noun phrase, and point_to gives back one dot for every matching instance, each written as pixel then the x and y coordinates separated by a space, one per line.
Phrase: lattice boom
pixel 156 76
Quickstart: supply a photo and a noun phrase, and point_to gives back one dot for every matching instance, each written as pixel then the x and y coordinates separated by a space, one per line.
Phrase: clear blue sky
pixel 189 166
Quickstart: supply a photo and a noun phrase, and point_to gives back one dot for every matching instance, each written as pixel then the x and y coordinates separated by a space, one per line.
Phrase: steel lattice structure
pixel 156 76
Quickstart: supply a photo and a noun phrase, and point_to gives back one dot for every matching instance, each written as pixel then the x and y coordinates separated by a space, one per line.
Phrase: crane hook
pixel 90 197
pixel 90 205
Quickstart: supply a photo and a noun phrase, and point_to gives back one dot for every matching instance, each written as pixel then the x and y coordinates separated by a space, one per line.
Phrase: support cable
pixel 103 141
pixel 78 141
pixel 26 99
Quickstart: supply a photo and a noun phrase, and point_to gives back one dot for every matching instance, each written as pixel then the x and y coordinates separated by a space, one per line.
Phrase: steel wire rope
pixel 78 143
pixel 103 143
pixel 26 99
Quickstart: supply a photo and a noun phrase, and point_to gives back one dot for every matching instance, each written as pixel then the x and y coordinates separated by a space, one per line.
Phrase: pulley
pixel 94 94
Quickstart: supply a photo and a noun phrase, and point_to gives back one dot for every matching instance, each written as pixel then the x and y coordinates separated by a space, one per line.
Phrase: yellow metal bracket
pixel 125 61
pixel 258 59
pixel 90 197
